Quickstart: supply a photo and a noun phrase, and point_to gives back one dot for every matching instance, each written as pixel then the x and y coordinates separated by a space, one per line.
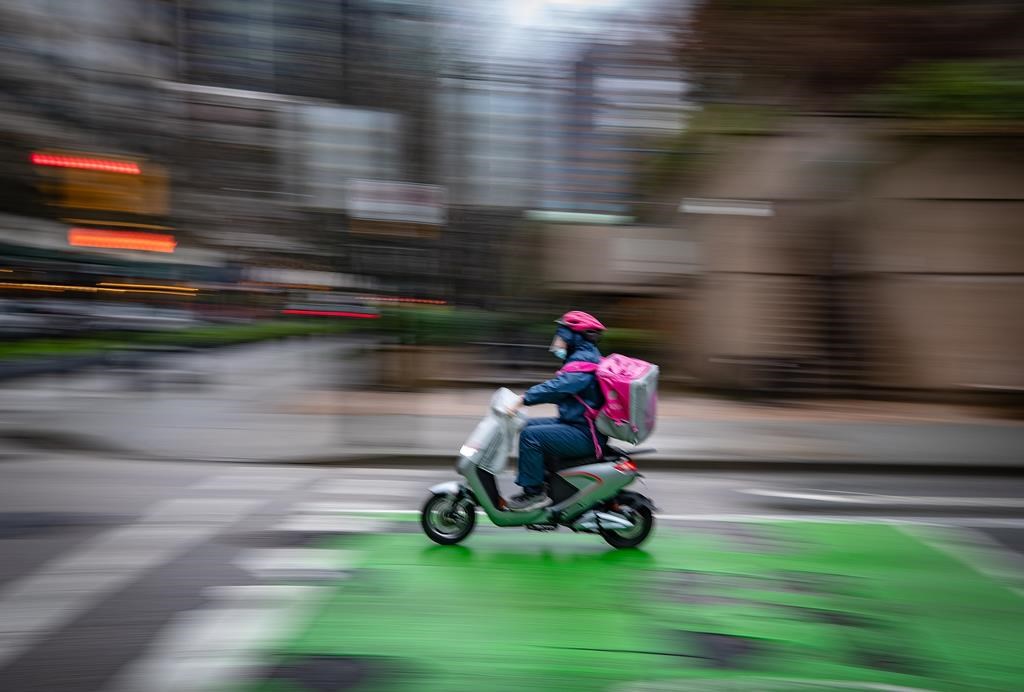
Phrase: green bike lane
pixel 752 606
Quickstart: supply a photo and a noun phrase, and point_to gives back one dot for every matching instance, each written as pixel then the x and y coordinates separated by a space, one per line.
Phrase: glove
pixel 513 409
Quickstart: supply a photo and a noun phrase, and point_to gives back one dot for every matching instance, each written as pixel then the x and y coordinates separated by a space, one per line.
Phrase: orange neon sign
pixel 121 240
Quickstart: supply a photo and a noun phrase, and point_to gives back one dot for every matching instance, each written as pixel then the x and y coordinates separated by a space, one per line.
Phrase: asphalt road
pixel 132 576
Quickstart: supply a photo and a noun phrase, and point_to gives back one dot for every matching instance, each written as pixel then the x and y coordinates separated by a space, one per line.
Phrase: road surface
pixel 138 576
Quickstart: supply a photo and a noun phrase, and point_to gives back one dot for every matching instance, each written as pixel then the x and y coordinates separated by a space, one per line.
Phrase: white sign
pixel 728 207
pixel 382 200
pixel 304 277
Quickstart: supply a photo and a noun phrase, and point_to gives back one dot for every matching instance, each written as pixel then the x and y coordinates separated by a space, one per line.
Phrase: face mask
pixel 560 344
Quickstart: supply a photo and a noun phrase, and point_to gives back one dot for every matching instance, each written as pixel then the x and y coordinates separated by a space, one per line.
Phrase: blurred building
pixel 231 173
pixel 492 127
pixel 81 74
pixel 555 119
pixel 617 105
pixel 81 77
pixel 378 54
pixel 263 46
pixel 490 124
pixel 620 104
pixel 289 103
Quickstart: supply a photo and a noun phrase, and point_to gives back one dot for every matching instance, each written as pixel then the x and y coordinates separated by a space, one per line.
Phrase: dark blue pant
pixel 546 438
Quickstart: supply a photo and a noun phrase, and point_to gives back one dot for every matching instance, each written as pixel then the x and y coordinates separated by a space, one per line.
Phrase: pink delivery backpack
pixel 630 388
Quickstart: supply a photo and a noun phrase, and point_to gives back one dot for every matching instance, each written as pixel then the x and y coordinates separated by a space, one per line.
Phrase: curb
pixel 447 460
pixel 62 442
pixel 34 367
pixel 56 441
pixel 909 509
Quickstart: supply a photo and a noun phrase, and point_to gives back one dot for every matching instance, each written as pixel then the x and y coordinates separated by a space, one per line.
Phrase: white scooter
pixel 588 495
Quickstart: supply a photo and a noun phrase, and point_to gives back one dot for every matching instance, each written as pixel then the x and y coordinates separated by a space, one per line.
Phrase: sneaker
pixel 526 501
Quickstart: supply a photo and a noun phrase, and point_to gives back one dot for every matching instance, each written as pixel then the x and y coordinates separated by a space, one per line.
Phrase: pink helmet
pixel 579 321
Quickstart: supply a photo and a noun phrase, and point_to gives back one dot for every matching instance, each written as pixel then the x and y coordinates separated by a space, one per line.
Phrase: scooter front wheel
pixel 447 520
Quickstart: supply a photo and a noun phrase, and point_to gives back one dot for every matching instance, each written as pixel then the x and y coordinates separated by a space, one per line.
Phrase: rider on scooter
pixel 569 436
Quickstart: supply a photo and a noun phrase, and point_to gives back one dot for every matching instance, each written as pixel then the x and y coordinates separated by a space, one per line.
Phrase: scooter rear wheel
pixel 446 520
pixel 643 519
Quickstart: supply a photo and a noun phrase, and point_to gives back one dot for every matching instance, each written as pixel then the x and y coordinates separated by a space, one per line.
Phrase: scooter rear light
pixel 626 466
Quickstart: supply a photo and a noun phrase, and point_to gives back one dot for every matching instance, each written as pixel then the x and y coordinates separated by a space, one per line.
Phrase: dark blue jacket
pixel 561 388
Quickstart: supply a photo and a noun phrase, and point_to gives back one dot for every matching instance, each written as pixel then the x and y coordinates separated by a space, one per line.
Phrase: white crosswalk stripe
pixel 211 648
pixel 296 563
pixel 374 473
pixel 320 523
pixel 50 598
pixel 371 488
pixel 347 506
pixel 249 481
pixel 222 643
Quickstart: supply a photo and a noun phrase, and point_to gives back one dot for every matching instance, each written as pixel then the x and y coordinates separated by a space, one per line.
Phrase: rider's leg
pixel 563 441
pixel 531 454
pixel 541 421
pixel 531 457
pixel 536 442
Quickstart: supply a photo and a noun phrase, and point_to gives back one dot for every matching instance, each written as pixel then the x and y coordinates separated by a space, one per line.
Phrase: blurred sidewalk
pixel 693 429
pixel 307 402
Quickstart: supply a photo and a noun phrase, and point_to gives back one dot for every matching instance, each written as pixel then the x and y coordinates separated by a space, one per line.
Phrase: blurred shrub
pixel 540 333
pixel 428 325
pixel 244 333
pixel 639 343
pixel 954 89
pixel 49 348
pixel 212 336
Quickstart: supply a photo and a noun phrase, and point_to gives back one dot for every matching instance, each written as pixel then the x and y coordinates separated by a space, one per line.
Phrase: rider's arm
pixel 557 388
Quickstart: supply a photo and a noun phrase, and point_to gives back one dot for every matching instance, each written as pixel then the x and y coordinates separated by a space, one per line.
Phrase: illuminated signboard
pixel 75 181
pixel 121 240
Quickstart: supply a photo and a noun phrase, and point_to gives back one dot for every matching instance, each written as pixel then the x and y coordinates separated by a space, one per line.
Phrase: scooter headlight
pixel 468 451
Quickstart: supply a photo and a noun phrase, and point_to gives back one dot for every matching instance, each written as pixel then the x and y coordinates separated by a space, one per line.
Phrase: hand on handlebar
pixel 514 407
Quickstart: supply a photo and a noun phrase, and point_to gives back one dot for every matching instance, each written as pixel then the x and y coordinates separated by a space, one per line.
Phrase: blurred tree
pixel 815 55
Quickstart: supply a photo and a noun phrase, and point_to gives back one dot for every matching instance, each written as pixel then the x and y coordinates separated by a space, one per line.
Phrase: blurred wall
pixel 617 258
pixel 768 219
pixel 638 279
pixel 944 238
pixel 875 260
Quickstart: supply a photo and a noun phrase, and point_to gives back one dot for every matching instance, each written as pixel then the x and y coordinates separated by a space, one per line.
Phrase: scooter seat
pixel 563 464
pixel 611 454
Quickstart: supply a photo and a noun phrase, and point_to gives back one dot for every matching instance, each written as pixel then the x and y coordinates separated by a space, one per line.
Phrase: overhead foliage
pixel 977 89
pixel 824 55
